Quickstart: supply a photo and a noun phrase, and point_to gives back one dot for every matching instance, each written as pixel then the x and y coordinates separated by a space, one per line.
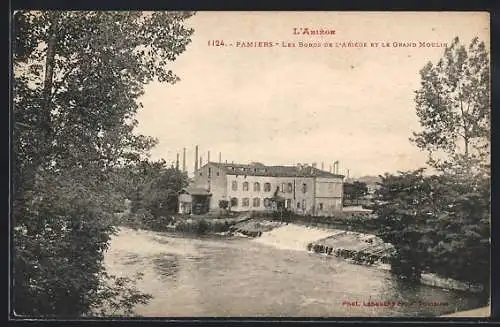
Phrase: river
pixel 217 276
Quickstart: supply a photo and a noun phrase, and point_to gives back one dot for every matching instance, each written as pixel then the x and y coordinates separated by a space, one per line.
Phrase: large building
pixel 305 189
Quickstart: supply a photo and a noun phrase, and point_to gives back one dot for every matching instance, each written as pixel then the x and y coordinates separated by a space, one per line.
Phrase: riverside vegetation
pixel 77 79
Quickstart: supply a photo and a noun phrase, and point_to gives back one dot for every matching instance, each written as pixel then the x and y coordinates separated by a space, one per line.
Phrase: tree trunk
pixel 466 145
pixel 45 119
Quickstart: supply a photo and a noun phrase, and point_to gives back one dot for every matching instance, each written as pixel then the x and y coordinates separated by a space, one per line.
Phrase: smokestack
pixel 184 160
pixel 208 157
pixel 347 173
pixel 196 159
pixel 177 162
pixel 220 157
pixel 336 167
pixel 322 165
pixel 201 161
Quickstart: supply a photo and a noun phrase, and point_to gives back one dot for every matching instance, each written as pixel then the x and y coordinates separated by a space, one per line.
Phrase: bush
pixel 59 242
pixel 437 224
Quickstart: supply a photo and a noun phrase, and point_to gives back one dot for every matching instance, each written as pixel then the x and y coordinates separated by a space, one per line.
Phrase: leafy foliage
pixel 355 191
pixel 157 196
pixel 437 224
pixel 453 105
pixel 440 223
pixel 77 78
pixel 402 215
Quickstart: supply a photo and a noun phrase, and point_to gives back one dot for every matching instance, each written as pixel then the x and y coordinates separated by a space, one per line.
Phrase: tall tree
pixel 453 105
pixel 77 80
pixel 440 223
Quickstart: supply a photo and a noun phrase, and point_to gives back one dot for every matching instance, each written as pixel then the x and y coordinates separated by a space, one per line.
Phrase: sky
pixel 287 105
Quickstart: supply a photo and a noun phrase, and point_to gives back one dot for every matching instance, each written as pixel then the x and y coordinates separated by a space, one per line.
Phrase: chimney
pixel 177 162
pixel 184 160
pixel 347 173
pixel 208 157
pixel 201 161
pixel 220 157
pixel 196 159
pixel 322 165
pixel 336 167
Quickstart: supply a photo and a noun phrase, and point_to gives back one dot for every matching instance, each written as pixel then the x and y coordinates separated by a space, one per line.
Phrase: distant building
pixel 305 189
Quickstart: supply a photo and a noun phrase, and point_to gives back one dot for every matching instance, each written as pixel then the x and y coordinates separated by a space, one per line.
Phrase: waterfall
pixel 294 237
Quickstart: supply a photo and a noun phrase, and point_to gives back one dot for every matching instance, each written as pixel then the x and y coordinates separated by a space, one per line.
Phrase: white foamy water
pixel 294 237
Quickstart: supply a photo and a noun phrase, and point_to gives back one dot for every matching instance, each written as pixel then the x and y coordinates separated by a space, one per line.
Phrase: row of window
pixel 245 202
pixel 256 203
pixel 285 187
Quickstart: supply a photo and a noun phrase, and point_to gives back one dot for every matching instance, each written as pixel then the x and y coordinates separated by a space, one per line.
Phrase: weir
pixel 294 237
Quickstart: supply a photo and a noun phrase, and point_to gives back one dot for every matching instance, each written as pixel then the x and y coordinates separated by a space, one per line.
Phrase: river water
pixel 237 277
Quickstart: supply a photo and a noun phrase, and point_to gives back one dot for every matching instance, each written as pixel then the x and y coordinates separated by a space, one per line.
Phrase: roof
pixel 258 169
pixel 195 191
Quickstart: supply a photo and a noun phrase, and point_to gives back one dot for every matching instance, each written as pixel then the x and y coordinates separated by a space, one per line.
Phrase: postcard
pixel 250 164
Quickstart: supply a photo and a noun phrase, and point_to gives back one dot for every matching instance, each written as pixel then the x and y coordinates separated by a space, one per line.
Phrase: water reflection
pixel 240 277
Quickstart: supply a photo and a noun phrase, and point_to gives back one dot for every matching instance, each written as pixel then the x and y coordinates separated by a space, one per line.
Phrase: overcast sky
pixel 288 105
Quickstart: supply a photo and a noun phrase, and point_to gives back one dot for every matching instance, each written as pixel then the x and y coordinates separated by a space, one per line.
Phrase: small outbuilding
pixel 194 200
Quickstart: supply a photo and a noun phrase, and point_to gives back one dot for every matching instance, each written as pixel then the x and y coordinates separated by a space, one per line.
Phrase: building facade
pixel 305 189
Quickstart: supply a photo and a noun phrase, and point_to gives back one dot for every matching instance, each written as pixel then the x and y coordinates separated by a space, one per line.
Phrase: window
pixel 288 203
pixel 246 202
pixel 256 202
pixel 209 171
pixel 234 202
pixel 245 186
pixel 290 188
pixel 304 188
pixel 218 173
pixel 235 186
pixel 267 187
pixel 201 174
pixel 256 187
pixel 267 202
pixel 303 204
pixel 283 187
pixel 321 206
pixel 298 205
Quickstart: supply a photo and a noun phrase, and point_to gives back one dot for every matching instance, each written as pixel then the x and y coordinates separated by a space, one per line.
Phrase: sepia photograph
pixel 250 164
